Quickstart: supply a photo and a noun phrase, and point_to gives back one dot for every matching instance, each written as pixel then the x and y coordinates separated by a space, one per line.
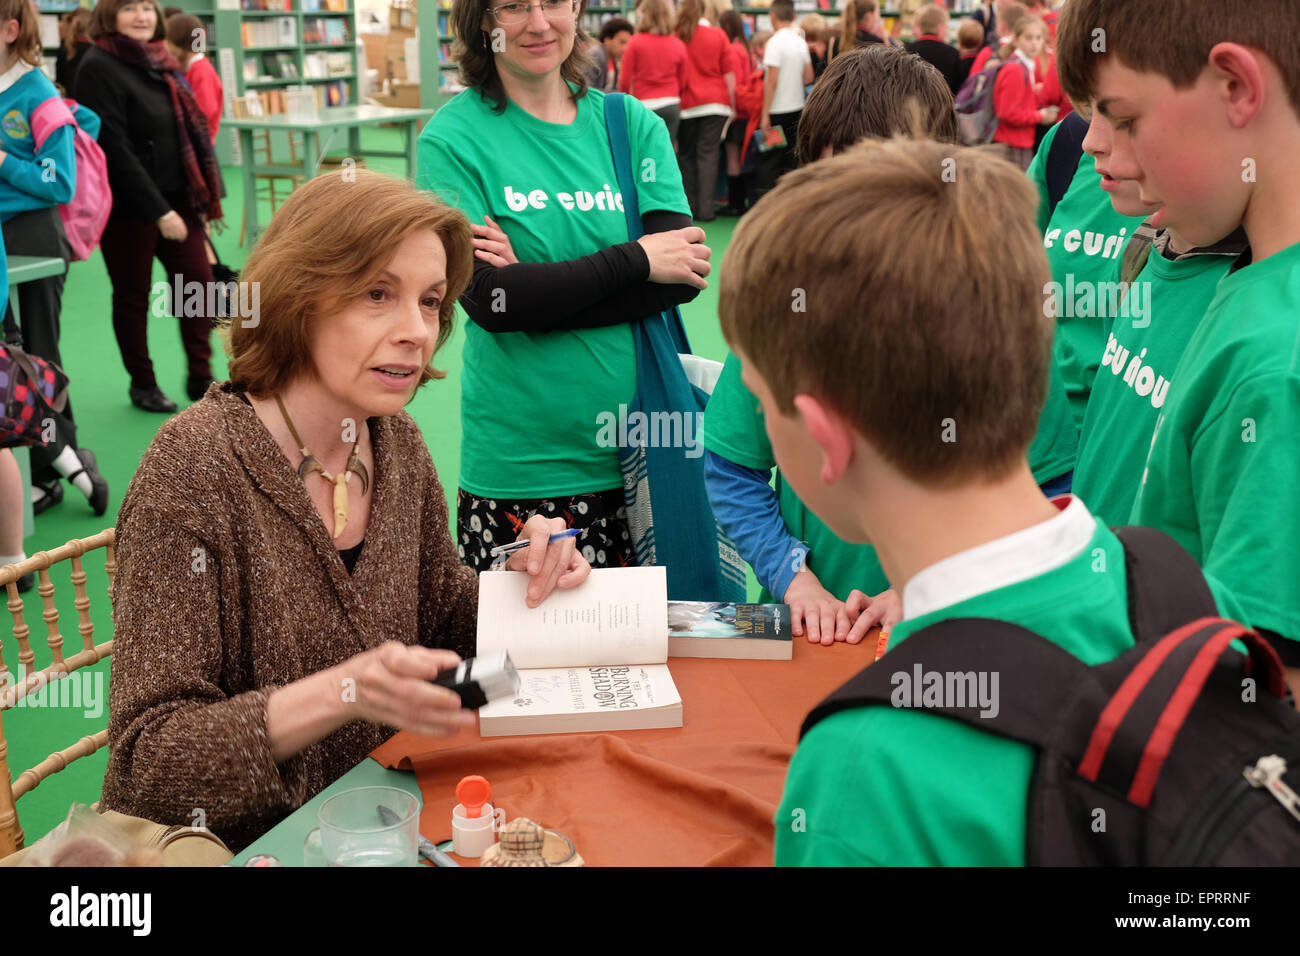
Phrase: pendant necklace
pixel 340 482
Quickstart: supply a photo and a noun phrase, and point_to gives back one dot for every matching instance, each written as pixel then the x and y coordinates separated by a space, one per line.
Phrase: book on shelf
pixel 591 658
pixel 250 68
pixel 265 5
pixel 321 65
pixel 280 31
pixel 336 6
pixel 754 632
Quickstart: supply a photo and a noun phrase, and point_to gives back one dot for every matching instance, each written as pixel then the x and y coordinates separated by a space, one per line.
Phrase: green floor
pixel 119 435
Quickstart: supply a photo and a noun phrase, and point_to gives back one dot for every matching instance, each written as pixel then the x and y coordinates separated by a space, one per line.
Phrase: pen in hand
pixel 504 550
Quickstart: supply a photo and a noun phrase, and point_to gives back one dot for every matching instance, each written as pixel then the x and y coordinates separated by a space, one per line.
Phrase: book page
pixel 616 616
pixel 587 690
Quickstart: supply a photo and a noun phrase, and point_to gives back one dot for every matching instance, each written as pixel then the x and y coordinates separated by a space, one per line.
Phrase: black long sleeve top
pixel 604 288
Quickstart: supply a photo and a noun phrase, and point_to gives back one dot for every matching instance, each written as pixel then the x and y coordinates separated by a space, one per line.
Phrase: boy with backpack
pixel 1212 129
pixel 902 422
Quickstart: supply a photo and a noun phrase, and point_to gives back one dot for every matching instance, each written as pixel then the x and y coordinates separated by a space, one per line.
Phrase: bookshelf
pixel 268 47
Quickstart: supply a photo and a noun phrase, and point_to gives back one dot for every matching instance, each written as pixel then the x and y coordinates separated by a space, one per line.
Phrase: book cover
pixel 575 699
pixel 734 631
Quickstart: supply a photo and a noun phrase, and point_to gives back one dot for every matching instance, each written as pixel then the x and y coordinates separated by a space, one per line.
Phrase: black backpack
pixel 1162 756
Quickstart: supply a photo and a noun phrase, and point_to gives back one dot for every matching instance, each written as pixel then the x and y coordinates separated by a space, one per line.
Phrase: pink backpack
pixel 86 215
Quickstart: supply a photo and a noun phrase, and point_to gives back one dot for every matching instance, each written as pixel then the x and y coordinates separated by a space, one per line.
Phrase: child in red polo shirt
pixel 185 40
pixel 1015 97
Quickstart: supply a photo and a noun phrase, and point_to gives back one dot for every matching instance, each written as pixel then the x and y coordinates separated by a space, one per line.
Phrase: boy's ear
pixel 1241 79
pixel 9 32
pixel 832 434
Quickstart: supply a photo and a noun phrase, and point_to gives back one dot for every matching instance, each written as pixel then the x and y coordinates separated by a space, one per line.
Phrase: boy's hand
pixel 548 565
pixel 885 609
pixel 815 611
pixel 492 245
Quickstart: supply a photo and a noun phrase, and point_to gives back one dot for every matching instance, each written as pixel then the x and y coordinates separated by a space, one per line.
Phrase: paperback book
pixel 757 632
pixel 589 659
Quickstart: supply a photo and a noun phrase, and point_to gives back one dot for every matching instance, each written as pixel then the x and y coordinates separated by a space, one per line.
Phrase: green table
pixel 29 269
pixel 310 124
pixel 284 841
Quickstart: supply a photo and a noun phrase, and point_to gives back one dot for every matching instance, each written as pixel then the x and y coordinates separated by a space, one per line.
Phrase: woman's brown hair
pixel 854 12
pixel 28 43
pixel 326 246
pixel 103 19
pixel 478 68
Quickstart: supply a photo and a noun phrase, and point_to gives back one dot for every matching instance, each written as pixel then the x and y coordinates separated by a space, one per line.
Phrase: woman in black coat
pixel 165 183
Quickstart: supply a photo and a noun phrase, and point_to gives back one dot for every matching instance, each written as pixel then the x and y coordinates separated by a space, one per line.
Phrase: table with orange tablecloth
pixel 704 793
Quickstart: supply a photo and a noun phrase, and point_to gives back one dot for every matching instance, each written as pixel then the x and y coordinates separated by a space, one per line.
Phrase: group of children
pixel 1134 299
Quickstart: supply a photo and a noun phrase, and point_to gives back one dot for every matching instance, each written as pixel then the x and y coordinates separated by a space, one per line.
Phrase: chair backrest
pixel 13 690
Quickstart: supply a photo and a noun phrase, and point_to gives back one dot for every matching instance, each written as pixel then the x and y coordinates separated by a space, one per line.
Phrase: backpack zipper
pixel 1267 773
pixel 1227 803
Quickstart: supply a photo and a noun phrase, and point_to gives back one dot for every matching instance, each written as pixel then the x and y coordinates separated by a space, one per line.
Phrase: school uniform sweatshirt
pixel 1015 103
pixel 708 60
pixel 39 171
pixel 653 68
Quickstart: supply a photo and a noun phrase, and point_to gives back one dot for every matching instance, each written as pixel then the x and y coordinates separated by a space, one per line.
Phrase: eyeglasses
pixel 511 13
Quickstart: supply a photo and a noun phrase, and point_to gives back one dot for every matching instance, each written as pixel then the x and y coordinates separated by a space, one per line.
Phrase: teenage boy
pixel 1165 299
pixel 871 91
pixel 605 53
pixel 1212 125
pixel 1084 235
pixel 787 70
pixel 904 422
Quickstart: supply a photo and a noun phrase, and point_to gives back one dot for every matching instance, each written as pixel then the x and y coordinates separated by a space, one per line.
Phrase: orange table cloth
pixel 704 793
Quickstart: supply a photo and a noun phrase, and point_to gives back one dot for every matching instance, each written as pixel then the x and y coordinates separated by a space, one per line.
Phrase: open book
pixel 593 658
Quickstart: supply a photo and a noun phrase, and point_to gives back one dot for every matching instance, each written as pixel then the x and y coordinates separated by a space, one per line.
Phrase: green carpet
pixel 119 434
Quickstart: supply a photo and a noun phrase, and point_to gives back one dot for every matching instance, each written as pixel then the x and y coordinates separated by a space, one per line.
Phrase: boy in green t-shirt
pixel 905 423
pixel 1158 310
pixel 1212 128
pixel 874 91
pixel 1084 235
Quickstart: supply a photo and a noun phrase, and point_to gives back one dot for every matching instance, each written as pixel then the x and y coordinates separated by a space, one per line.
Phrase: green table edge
pixel 285 840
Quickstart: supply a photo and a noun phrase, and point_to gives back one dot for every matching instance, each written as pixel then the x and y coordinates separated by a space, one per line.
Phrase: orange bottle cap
pixel 472 792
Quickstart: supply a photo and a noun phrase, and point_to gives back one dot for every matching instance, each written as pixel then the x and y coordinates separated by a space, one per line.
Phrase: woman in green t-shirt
pixel 548 355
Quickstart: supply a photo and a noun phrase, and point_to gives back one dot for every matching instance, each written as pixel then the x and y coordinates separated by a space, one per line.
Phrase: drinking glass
pixel 353 833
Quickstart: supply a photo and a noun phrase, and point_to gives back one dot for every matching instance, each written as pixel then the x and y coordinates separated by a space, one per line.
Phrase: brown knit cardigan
pixel 229 585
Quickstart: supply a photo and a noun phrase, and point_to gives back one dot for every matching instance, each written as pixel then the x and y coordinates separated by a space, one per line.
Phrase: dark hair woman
pixel 165 181
pixel 549 351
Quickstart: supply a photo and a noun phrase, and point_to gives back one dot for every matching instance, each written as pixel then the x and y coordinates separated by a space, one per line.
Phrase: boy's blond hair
pixel 1172 38
pixel 814 28
pixel 907 347
pixel 929 19
pixel 970 35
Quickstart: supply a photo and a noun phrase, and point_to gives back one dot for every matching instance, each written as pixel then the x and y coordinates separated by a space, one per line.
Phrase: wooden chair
pixel 243 109
pixel 11 691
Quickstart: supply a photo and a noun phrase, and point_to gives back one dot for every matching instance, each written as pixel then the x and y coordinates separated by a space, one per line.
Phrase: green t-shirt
pixel 1056 443
pixel 734 429
pixel 899 787
pixel 533 403
pixel 1137 365
pixel 1084 238
pixel 1220 477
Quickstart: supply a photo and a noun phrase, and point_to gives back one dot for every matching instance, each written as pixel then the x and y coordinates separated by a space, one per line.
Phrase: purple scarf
pixel 197 157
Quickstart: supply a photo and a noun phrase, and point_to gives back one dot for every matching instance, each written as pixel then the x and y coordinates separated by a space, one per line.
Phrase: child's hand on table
pixel 885 610
pixel 549 566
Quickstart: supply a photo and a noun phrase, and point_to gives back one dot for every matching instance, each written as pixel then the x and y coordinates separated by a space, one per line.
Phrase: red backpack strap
pixel 1140 724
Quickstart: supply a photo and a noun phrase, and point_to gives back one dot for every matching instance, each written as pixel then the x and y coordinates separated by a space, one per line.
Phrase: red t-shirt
pixel 653 66
pixel 1051 94
pixel 742 64
pixel 708 58
pixel 205 82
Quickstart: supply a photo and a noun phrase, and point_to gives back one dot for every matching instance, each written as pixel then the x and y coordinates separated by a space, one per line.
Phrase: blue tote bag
pixel 668 510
